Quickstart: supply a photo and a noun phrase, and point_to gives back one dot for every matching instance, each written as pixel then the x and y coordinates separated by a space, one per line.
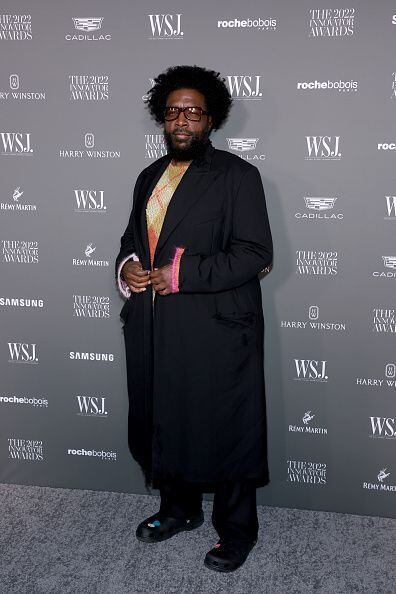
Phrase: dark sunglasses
pixel 191 113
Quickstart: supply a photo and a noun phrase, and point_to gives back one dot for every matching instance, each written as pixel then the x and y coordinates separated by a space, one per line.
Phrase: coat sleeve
pixel 127 249
pixel 249 251
pixel 121 282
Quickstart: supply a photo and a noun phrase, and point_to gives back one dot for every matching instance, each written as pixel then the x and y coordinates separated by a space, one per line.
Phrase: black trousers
pixel 234 512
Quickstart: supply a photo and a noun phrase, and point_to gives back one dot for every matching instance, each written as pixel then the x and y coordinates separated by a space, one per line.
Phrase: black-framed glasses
pixel 192 112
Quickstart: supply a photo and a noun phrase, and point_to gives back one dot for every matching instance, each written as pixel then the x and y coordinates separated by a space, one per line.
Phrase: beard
pixel 195 148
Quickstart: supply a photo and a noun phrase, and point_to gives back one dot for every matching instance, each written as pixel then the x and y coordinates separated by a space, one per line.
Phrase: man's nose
pixel 181 119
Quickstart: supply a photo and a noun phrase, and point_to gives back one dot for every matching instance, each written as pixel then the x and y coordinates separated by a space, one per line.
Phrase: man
pixel 197 238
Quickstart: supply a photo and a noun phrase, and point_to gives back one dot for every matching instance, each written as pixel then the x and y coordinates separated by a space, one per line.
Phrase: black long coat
pixel 195 359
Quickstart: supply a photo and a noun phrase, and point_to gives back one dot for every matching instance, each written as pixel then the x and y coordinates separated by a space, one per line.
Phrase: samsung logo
pixel 15 302
pixel 91 356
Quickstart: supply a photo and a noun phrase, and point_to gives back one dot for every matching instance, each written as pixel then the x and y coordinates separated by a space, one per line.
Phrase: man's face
pixel 185 138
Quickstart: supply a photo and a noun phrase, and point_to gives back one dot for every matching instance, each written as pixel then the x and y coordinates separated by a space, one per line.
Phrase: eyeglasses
pixel 191 112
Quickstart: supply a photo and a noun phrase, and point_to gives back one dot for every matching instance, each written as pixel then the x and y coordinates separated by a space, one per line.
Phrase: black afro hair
pixel 208 82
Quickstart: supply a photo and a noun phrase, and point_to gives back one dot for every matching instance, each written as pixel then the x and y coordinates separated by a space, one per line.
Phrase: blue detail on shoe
pixel 153 524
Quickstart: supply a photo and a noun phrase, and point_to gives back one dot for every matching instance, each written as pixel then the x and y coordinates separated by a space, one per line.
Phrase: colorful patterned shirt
pixel 156 209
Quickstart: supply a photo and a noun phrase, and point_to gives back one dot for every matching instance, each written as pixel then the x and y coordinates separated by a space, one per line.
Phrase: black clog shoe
pixel 228 555
pixel 158 527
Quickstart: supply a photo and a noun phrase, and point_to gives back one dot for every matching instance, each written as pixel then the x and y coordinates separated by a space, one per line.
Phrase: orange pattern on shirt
pixel 158 203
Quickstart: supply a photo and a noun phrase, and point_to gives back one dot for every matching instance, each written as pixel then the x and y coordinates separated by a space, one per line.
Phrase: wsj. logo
pixel 165 26
pixel 310 370
pixel 324 148
pixel 89 201
pixel 91 406
pixel 16 143
pixel 22 352
pixel 390 207
pixel 245 86
pixel 383 427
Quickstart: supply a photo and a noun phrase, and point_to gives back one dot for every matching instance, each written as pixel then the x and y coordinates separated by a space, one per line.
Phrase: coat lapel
pixel 195 181
pixel 148 186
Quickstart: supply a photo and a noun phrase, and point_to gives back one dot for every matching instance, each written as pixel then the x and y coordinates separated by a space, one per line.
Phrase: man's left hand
pixel 161 279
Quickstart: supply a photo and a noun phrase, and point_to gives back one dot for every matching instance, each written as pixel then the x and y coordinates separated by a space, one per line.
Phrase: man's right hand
pixel 136 278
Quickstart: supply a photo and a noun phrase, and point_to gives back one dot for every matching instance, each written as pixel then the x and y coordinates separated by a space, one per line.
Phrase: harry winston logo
pixel 14 82
pixel 313 312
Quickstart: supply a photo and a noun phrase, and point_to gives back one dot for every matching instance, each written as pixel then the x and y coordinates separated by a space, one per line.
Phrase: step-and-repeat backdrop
pixel 314 89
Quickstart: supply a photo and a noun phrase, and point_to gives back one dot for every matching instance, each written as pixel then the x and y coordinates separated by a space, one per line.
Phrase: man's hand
pixel 161 279
pixel 136 278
